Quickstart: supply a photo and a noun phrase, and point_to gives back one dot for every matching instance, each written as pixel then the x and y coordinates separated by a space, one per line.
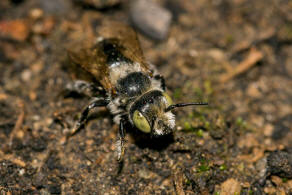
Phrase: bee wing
pixel 127 38
pixel 91 65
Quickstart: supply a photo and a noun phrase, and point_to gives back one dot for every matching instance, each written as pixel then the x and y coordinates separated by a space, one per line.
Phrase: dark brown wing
pixel 127 38
pixel 94 61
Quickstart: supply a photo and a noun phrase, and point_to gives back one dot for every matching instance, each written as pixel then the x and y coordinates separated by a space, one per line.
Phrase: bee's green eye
pixel 141 122
pixel 168 99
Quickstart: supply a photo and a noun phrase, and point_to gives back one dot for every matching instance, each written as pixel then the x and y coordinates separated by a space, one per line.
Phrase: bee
pixel 133 91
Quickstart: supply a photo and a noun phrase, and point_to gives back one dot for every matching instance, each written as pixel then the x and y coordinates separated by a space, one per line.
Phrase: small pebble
pixel 217 54
pixel 26 75
pixel 14 29
pixel 36 13
pixel 153 20
pixel 253 91
pixel 145 174
pixel 268 130
pixel 230 186
pixel 21 172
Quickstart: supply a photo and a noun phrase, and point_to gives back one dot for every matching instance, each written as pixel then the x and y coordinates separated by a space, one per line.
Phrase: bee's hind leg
pixel 121 142
pixel 98 102
pixel 84 88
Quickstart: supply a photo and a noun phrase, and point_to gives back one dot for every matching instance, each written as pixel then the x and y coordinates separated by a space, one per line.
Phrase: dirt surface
pixel 234 54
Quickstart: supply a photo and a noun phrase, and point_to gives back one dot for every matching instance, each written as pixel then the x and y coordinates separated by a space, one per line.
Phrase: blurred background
pixel 234 54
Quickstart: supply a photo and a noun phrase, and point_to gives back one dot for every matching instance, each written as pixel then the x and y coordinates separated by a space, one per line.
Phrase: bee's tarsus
pixel 185 104
pixel 76 128
pixel 121 141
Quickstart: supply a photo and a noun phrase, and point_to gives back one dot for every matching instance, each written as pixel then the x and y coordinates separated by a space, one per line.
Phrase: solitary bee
pixel 133 90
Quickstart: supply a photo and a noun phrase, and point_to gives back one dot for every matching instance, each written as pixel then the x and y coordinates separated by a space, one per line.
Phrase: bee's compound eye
pixel 141 122
pixel 168 99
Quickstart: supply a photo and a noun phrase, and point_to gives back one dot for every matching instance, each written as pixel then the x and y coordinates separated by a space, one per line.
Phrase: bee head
pixel 152 113
pixel 148 113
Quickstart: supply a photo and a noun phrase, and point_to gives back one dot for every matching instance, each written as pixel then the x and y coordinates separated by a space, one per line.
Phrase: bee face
pixel 149 116
pixel 164 123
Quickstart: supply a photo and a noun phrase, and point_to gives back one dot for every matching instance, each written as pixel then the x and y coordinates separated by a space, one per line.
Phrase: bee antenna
pixel 185 104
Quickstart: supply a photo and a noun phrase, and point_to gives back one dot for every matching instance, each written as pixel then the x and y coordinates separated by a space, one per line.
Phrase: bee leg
pixel 162 80
pixel 83 88
pixel 99 102
pixel 121 141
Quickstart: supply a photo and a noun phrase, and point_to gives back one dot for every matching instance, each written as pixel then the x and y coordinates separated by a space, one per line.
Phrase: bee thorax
pixel 134 84
pixel 120 70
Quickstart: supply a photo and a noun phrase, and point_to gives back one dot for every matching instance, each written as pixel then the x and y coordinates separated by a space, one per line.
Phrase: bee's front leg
pixel 98 102
pixel 121 142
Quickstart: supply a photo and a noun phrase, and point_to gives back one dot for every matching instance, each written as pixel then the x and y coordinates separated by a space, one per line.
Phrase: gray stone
pixel 150 18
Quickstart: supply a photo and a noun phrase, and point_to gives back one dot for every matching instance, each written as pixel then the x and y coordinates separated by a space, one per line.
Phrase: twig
pixel 253 57
pixel 18 123
pixel 178 182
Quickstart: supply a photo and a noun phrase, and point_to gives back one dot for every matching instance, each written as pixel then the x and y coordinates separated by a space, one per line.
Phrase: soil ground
pixel 234 54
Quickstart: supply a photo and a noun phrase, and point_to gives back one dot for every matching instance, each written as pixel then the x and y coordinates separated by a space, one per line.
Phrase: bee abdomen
pixel 113 53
